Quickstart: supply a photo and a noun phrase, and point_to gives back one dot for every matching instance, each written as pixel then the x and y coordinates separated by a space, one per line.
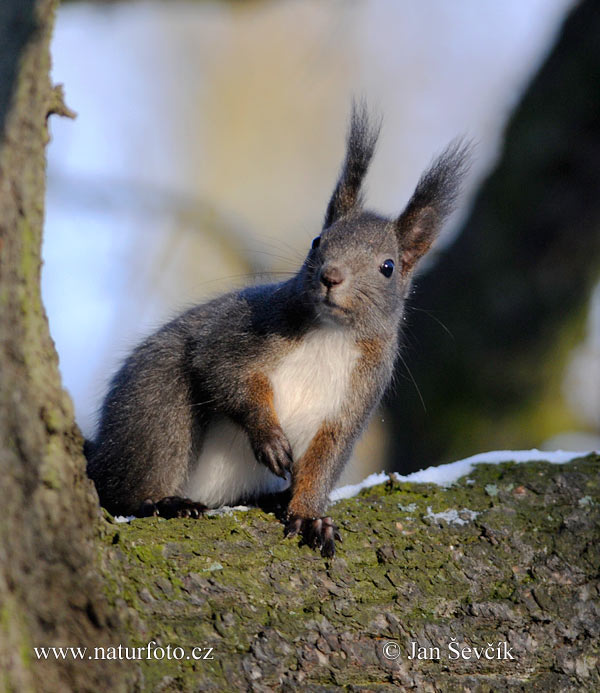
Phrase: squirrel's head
pixel 359 268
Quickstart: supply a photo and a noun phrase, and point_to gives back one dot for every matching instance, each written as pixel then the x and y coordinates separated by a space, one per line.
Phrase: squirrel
pixel 268 388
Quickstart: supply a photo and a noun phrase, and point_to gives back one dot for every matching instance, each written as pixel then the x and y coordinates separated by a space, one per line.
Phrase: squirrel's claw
pixel 318 533
pixel 293 527
pixel 275 452
pixel 170 507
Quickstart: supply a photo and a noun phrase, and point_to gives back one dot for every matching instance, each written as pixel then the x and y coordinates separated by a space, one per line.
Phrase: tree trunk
pixel 50 593
pixel 512 290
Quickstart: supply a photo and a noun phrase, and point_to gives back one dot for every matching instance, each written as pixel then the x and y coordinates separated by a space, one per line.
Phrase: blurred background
pixel 209 137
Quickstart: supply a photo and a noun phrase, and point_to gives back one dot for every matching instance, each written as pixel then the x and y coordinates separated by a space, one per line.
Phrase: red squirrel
pixel 268 388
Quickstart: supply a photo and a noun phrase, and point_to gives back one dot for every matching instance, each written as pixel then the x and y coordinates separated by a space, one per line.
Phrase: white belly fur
pixel 309 387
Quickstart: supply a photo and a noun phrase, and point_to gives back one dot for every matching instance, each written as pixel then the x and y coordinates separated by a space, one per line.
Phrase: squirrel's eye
pixel 387 267
pixel 316 242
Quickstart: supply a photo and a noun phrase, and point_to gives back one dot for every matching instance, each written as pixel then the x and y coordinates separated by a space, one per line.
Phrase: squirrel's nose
pixel 332 276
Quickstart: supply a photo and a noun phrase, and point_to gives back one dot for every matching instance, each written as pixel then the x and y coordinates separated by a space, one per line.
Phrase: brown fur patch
pixel 260 394
pixel 310 474
pixel 371 351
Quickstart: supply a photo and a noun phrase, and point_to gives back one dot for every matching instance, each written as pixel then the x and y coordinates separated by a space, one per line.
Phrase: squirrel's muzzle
pixel 332 275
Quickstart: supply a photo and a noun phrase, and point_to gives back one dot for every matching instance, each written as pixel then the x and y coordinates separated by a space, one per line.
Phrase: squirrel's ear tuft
pixel 433 200
pixel 362 137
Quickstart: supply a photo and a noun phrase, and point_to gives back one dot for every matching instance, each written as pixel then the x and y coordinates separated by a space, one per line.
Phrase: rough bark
pixel 50 592
pixel 513 557
pixel 512 290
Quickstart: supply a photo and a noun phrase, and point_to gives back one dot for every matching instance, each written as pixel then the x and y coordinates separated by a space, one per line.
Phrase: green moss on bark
pixel 507 554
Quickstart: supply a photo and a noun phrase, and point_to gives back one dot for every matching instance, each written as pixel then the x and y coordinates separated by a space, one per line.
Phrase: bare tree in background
pixel 512 290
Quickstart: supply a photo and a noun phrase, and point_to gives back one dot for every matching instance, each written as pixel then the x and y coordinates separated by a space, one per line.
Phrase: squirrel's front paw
pixel 318 533
pixel 273 449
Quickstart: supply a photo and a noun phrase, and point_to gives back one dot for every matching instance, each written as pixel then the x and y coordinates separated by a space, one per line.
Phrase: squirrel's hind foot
pixel 170 507
pixel 318 533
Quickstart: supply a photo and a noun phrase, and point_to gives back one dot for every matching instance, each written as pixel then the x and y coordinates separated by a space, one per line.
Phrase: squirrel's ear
pixel 361 140
pixel 433 200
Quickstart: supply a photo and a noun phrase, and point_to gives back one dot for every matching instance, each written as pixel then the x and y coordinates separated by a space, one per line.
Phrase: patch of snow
pixel 227 510
pixel 447 474
pixel 354 489
pixel 123 518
